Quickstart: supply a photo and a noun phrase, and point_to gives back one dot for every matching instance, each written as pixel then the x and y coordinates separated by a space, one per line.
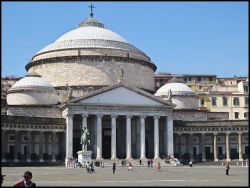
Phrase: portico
pixel 115 124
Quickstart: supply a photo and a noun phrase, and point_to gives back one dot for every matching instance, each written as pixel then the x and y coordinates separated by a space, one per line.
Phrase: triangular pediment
pixel 121 95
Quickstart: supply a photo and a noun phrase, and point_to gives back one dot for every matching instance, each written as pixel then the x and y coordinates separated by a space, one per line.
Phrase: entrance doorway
pixel 233 153
pixel 208 152
pixel 106 143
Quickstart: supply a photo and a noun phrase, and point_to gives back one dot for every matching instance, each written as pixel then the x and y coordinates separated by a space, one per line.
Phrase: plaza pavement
pixel 141 176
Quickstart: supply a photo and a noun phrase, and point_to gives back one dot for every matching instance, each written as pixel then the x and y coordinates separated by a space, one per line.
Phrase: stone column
pixel 113 136
pixel 3 145
pixel 16 145
pixel 28 146
pixel 240 146
pixel 46 143
pixel 215 148
pixel 41 147
pixel 179 145
pixel 227 147
pixel 54 146
pixel 84 120
pixel 128 136
pixel 191 147
pixel 203 151
pixel 99 137
pixel 156 137
pixel 142 136
pixel 170 140
pixel 69 136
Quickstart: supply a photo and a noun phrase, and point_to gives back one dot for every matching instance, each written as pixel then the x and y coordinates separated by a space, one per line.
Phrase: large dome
pixel 90 34
pixel 91 57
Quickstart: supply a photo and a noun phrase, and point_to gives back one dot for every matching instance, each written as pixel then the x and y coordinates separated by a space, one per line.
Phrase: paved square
pixel 141 176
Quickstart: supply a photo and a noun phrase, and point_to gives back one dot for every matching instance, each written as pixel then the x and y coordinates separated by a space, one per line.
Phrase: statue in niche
pixel 121 75
pixel 169 96
pixel 69 92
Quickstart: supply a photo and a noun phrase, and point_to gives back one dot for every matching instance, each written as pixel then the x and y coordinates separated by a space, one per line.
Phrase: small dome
pixel 32 90
pixel 176 89
pixel 32 80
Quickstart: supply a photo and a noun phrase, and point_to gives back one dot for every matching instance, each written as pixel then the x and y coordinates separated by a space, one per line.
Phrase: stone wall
pixel 32 98
pixel 33 111
pixel 88 52
pixel 185 102
pixel 95 73
pixel 195 115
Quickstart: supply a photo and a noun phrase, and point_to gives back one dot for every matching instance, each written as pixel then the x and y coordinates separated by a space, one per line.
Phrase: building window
pixel 199 79
pixel 245 89
pixel 214 101
pixel 246 115
pixel 246 101
pixel 25 138
pixel 210 79
pixel 202 101
pixel 224 101
pixel 236 115
pixel 236 101
pixel 11 137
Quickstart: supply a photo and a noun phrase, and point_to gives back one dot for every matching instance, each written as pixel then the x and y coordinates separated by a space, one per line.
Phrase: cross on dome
pixel 91 9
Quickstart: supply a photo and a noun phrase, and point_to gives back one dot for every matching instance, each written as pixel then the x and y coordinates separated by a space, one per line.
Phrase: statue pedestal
pixel 84 156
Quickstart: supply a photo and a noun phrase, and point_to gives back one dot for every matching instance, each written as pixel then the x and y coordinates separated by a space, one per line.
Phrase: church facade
pixel 92 77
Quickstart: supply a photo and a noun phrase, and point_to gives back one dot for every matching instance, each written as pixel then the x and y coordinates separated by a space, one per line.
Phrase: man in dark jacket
pixel 114 167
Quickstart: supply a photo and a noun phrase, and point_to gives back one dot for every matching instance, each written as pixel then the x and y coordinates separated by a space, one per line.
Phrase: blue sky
pixel 179 37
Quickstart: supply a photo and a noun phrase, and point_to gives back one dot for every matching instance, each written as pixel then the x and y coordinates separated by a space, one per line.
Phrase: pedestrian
pixel 91 167
pixel 151 162
pixel 25 181
pixel 114 167
pixel 190 163
pixel 140 161
pixel 158 166
pixel 227 168
pixel 2 178
pixel 87 166
pixel 130 166
pixel 148 163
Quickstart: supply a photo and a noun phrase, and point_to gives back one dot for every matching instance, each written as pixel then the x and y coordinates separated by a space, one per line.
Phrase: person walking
pixel 2 178
pixel 130 166
pixel 91 167
pixel 87 167
pixel 114 167
pixel 151 163
pixel 227 168
pixel 140 161
pixel 148 163
pixel 25 181
pixel 158 166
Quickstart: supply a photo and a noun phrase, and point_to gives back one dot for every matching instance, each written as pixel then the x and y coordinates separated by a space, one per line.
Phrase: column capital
pixel 240 133
pixel 143 116
pixel 203 133
pixel 227 133
pixel 179 133
pixel 215 133
pixel 99 115
pixel 191 134
pixel 114 115
pixel 156 117
pixel 68 115
pixel 129 116
pixel 84 115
